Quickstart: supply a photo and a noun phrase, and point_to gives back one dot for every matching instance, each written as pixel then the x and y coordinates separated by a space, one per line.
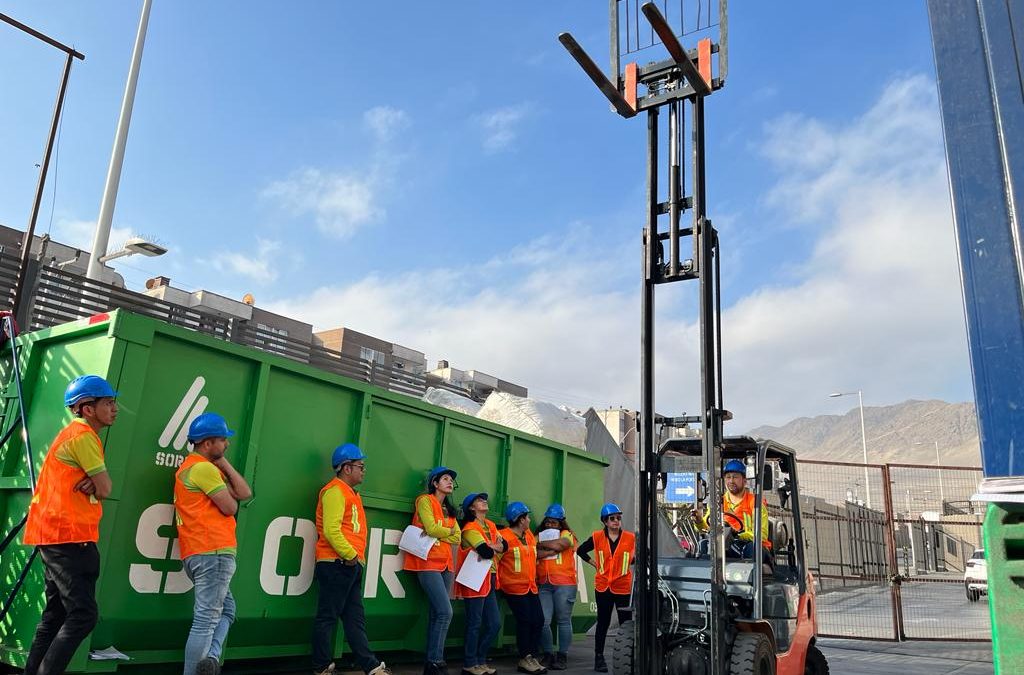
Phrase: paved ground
pixel 846 657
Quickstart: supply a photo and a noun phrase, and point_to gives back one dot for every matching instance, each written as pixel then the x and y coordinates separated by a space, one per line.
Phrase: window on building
pixel 371 354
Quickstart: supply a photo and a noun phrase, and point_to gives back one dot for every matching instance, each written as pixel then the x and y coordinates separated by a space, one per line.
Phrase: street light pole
pixel 863 439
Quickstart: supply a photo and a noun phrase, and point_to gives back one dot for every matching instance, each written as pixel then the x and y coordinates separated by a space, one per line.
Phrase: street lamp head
pixel 144 247
pixel 835 395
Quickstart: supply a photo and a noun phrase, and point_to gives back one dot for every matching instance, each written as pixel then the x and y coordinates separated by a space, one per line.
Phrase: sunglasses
pixel 614 517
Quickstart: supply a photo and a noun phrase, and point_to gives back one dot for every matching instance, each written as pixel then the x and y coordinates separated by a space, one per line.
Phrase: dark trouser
pixel 70 613
pixel 606 600
pixel 340 597
pixel 483 621
pixel 529 622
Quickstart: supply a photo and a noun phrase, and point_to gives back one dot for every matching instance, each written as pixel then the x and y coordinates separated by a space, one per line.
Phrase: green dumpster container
pixel 288 417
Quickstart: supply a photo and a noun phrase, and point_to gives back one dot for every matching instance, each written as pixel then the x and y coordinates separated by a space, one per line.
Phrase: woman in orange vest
pixel 613 583
pixel 435 515
pixel 483 621
pixel 517 581
pixel 556 579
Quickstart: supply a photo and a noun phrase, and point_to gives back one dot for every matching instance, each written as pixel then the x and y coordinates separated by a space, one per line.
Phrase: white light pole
pixel 102 236
pixel 863 438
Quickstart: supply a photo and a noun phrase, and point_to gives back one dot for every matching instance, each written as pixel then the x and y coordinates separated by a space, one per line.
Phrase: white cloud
pixel 385 122
pixel 340 203
pixel 875 306
pixel 261 267
pixel 501 126
pixel 80 233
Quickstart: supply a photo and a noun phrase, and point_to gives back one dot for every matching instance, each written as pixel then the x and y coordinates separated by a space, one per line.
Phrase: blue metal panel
pixel 978 63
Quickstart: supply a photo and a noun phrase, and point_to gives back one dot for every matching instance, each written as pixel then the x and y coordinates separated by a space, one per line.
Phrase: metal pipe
pixel 41 36
pixel 30 231
pixel 890 549
pixel 30 462
pixel 673 186
pixel 647 525
pixel 758 609
pixel 103 222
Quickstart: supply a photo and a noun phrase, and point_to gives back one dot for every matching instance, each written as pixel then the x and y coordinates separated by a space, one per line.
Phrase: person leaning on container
pixel 613 583
pixel 435 514
pixel 517 581
pixel 340 557
pixel 483 621
pixel 63 522
pixel 207 490
pixel 556 579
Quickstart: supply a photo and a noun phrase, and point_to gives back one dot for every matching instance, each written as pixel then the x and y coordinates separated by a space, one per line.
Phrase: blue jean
pixel 557 601
pixel 483 622
pixel 439 615
pixel 214 607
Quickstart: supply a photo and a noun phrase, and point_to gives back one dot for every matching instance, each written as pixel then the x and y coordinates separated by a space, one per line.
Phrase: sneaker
pixel 488 670
pixel 539 669
pixel 382 669
pixel 599 664
pixel 328 670
pixel 558 662
pixel 474 670
pixel 208 666
pixel 526 665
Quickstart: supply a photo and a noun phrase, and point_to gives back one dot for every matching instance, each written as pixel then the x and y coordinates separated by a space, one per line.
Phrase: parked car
pixel 976 575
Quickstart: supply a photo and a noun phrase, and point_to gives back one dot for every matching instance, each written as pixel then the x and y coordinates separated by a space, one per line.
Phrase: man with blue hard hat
pixel 207 491
pixel 340 556
pixel 739 510
pixel 63 522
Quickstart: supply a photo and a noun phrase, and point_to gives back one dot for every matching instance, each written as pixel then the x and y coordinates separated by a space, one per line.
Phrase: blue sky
pixel 445 176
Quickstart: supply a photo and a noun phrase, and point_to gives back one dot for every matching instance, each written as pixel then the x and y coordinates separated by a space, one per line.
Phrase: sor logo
pixel 156 539
pixel 175 434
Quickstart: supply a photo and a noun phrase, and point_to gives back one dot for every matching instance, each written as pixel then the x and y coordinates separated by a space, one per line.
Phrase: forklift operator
pixel 738 511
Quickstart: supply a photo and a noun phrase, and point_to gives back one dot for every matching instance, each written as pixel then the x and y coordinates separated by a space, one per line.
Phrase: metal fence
pixel 888 546
pixel 58 296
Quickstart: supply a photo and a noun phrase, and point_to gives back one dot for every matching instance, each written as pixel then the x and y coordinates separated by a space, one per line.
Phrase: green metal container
pixel 288 417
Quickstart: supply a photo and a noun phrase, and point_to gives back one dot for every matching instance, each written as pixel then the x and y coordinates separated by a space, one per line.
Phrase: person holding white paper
pixel 435 515
pixel 483 620
pixel 556 583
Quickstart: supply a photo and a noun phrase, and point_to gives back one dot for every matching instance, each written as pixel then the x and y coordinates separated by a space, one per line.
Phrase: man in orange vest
pixel 63 521
pixel 739 511
pixel 340 556
pixel 207 490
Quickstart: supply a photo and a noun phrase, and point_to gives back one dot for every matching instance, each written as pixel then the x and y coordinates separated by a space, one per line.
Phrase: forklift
pixel 698 612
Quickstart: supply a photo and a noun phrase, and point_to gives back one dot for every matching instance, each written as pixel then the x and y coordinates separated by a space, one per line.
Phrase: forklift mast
pixel 979 63
pixel 677 83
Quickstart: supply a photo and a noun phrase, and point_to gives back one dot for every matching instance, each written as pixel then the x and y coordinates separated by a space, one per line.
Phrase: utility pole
pixel 101 238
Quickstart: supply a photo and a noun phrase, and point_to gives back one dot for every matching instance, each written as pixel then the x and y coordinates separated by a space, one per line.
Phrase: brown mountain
pixel 905 433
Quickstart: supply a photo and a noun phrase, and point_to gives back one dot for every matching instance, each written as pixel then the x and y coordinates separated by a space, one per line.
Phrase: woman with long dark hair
pixel 483 621
pixel 435 514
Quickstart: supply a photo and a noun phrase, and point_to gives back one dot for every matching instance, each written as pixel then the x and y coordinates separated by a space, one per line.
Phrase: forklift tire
pixel 752 655
pixel 622 650
pixel 815 662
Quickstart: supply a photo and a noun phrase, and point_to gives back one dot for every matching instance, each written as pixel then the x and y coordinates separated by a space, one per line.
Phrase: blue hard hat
pixel 343 454
pixel 555 511
pixel 735 466
pixel 514 510
pixel 437 472
pixel 610 509
pixel 208 425
pixel 470 498
pixel 87 387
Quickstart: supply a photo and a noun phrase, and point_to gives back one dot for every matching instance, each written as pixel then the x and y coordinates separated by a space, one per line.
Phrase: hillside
pixel 904 433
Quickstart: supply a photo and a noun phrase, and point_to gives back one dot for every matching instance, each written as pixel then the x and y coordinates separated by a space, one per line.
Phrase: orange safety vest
pixel 491 537
pixel 559 570
pixel 517 569
pixel 353 522
pixel 745 511
pixel 201 525
pixel 58 514
pixel 613 570
pixel 440 557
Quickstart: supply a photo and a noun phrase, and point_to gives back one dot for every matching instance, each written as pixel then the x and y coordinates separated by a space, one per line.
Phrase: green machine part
pixel 1004 557
pixel 288 416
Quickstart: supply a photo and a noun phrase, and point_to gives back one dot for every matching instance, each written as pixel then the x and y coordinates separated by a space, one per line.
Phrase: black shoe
pixel 599 664
pixel 442 667
pixel 558 662
pixel 547 659
pixel 208 666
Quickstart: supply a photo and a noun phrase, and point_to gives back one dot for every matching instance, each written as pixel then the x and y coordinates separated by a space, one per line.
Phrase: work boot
pixel 488 670
pixel 208 666
pixel 547 660
pixel 473 670
pixel 559 662
pixel 328 670
pixel 599 664
pixel 530 666
pixel 442 667
pixel 538 668
pixel 382 669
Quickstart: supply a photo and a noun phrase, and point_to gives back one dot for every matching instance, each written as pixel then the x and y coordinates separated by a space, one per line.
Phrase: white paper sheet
pixel 473 571
pixel 416 542
pixel 108 654
pixel 549 534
